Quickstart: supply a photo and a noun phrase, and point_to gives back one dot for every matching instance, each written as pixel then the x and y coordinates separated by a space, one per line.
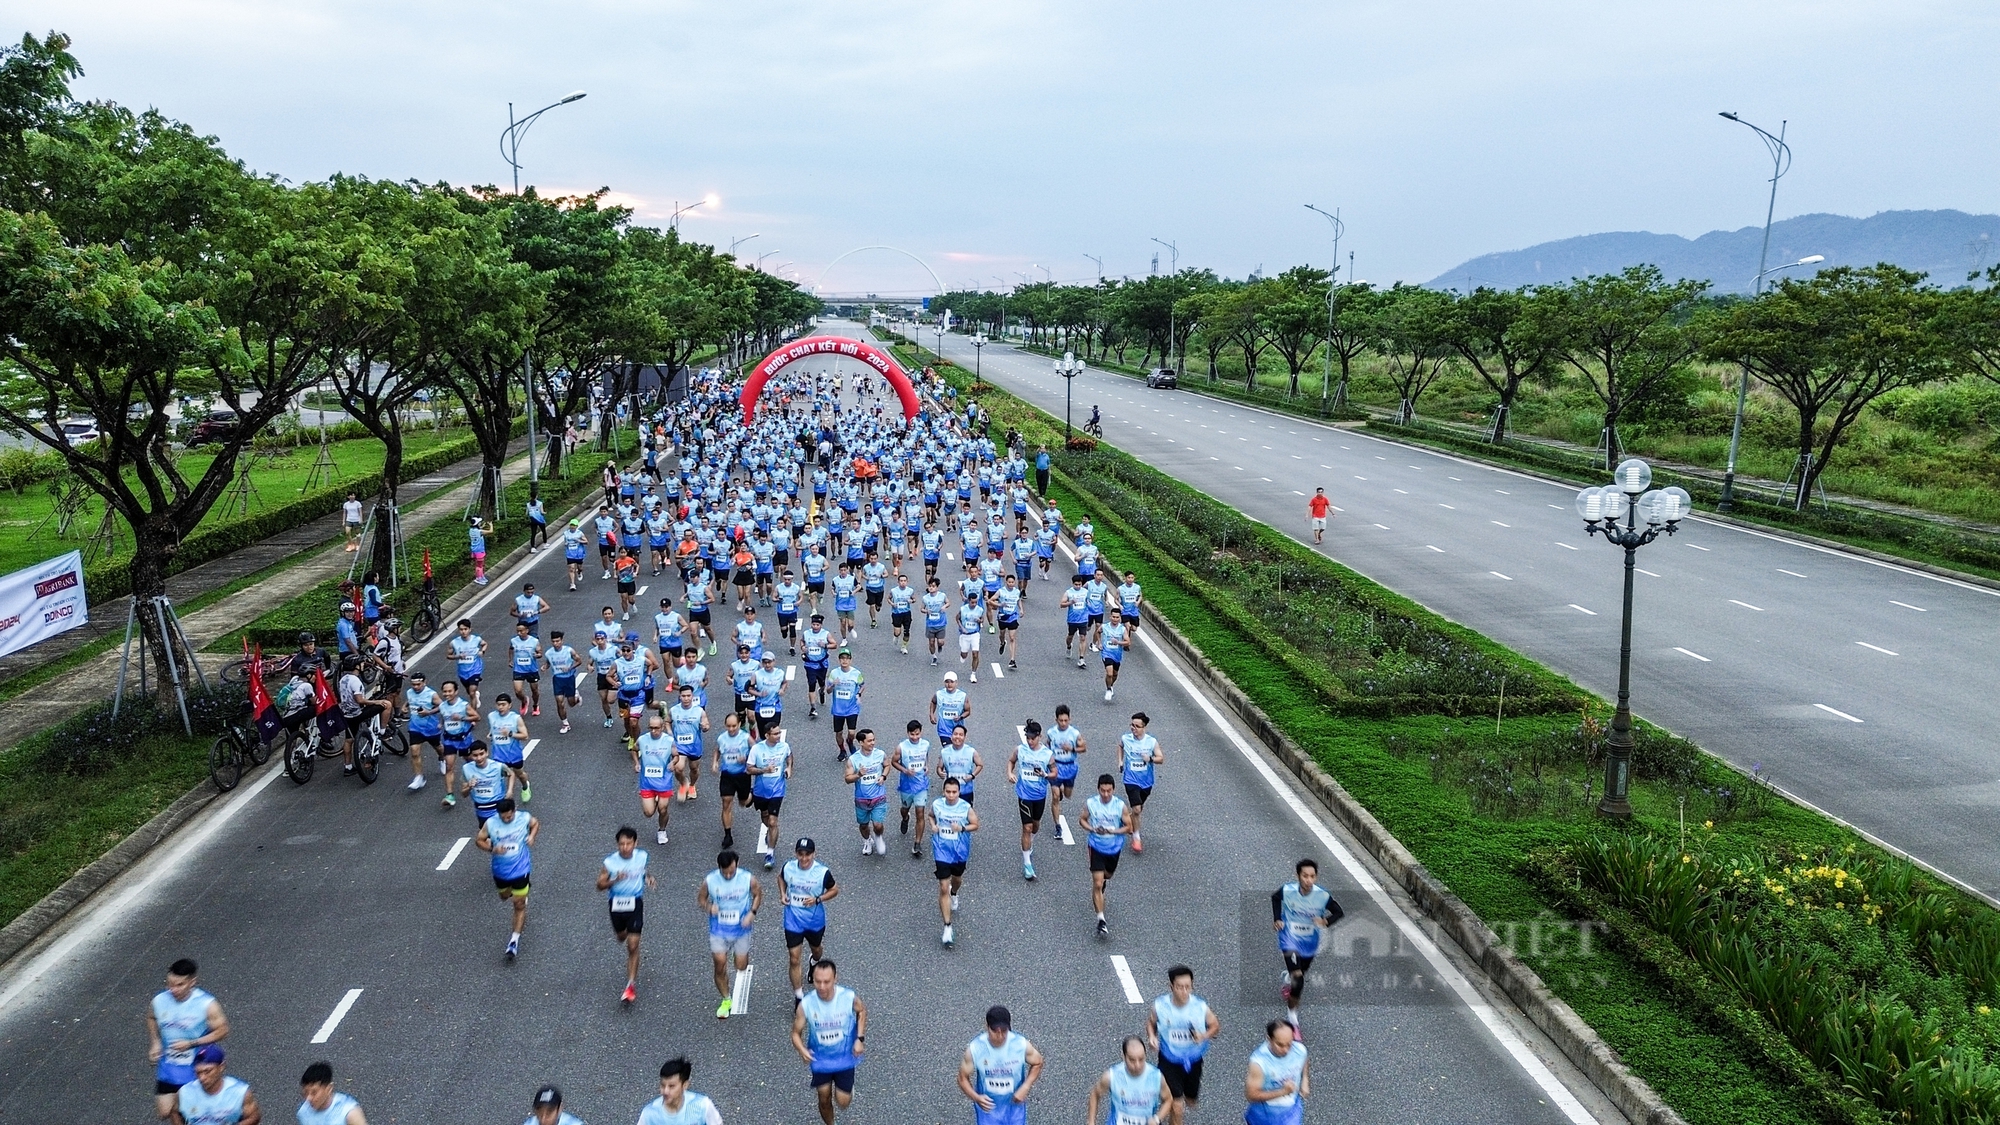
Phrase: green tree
pixel 1833 343
pixel 1626 334
pixel 1504 334
pixel 1973 319
pixel 1411 330
pixel 1295 318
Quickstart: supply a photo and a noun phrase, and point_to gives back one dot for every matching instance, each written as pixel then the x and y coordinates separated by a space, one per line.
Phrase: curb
pixel 1581 1045
pixel 54 907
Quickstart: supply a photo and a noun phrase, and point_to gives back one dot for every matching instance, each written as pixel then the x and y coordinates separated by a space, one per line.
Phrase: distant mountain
pixel 1945 244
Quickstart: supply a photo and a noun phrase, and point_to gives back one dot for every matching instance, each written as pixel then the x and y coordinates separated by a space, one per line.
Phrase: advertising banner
pixel 41 601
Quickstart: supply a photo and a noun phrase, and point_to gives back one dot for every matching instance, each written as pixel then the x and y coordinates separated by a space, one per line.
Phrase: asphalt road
pixel 293 897
pixel 1863 688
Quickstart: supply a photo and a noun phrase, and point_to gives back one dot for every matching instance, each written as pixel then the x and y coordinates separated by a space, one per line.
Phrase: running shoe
pixel 913 850
pixel 722 1009
pixel 565 727
pixel 954 903
pixel 948 937
pixel 660 837
pixel 607 722
pixel 418 782
pixel 1028 871
pixel 1137 846
pixel 526 795
pixel 904 830
pixel 1103 929
pixel 1013 666
pixel 1079 661
pixel 479 581
pixel 347 770
pixel 513 947
pixel 450 799
pixel 934 662
pixel 975 677
pixel 728 838
pixel 1107 695
pixel 768 861
pixel 630 994
pixel 537 712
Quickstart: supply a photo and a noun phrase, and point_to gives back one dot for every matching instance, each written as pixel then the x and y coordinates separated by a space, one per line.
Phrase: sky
pixel 992 142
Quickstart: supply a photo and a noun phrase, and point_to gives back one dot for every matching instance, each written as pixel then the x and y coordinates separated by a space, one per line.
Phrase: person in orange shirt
pixel 1317 509
pixel 627 571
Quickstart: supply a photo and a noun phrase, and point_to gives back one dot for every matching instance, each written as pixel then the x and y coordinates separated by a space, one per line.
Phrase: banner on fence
pixel 41 601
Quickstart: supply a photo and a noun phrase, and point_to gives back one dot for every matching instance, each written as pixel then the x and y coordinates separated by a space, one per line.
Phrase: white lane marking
pixel 1560 543
pixel 997 673
pixel 339 1013
pixel 452 855
pixel 1264 447
pixel 1746 605
pixel 1360 478
pixel 1296 492
pixel 1645 572
pixel 642 590
pixel 1131 986
pixel 1447 506
pixel 791 672
pixel 1238 468
pixel 763 839
pixel 1062 830
pixel 1878 648
pixel 529 750
pixel 1697 547
pixel 1268 480
pixel 1831 711
pixel 1557 507
pixel 1399 490
pixel 1793 573
pixel 1503 492
pixel 1580 609
pixel 1383 526
pixel 1439 550
pixel 1407 927
pixel 1907 605
pixel 1497 574
pixel 1499 524
pixel 1450 478
pixel 1696 655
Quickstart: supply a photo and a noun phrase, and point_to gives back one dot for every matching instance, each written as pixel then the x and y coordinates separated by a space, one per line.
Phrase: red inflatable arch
pixel 812 346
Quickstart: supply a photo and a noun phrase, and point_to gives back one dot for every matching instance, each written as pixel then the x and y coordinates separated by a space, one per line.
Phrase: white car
pixel 81 431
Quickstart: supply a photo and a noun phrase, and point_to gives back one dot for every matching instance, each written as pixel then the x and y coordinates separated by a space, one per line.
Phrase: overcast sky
pixel 996 138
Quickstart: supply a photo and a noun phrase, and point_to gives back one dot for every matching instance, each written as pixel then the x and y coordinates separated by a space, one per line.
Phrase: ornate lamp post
pixel 1069 367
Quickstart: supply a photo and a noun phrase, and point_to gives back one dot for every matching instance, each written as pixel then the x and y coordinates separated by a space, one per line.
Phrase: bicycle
pixel 275 668
pixel 237 743
pixel 429 617
pixel 305 744
pixel 1094 428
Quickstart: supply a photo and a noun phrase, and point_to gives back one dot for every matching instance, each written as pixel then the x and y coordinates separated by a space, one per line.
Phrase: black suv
pixel 1162 377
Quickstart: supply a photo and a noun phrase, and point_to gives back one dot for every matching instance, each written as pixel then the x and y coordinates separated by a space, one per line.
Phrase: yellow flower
pixel 1687 859
pixel 1985 1011
pixel 1708 824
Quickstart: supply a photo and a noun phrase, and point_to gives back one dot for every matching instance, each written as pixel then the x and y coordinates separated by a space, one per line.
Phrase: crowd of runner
pixel 825 510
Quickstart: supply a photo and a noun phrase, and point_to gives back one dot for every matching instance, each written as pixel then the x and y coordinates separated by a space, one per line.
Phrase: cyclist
pixel 354 707
pixel 309 656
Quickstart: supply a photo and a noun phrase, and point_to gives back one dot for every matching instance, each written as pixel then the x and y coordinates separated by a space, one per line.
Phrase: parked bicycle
pixel 235 750
pixel 237 672
pixel 304 745
pixel 429 617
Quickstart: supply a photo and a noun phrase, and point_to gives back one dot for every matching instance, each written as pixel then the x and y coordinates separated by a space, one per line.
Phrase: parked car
pixel 81 431
pixel 1162 377
pixel 216 425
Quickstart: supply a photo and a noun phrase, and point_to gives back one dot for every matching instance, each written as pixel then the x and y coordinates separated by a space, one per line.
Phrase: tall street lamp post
pixel 979 342
pixel 1173 271
pixel 1781 162
pixel 1069 368
pixel 1332 282
pixel 510 149
pixel 1601 508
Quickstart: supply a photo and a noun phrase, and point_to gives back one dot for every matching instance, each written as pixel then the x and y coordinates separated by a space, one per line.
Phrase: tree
pixel 1295 316
pixel 1504 335
pixel 1836 342
pixel 1973 318
pixel 1411 328
pixel 1625 333
pixel 1354 307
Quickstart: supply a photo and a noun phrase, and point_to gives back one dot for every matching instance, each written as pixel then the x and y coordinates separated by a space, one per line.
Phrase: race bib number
pixel 766 710
pixel 998 1086
pixel 873 777
pixel 685 738
pixel 1125 1118
pixel 801 899
pixel 624 904
pixel 1181 1037
pixel 1300 929
pixel 947 833
pixel 729 917
pixel 831 1036
pixel 505 849
pixel 656 771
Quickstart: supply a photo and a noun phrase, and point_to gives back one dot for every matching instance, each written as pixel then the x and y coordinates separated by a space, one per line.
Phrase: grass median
pixel 1897 985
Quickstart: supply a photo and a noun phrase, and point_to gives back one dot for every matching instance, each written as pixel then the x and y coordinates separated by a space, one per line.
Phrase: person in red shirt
pixel 1317 508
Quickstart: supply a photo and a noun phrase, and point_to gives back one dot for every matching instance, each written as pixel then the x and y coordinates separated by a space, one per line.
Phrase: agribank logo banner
pixel 41 601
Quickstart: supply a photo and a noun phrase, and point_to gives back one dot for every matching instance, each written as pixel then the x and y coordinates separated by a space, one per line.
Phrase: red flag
pixel 427 562
pixel 263 712
pixel 331 724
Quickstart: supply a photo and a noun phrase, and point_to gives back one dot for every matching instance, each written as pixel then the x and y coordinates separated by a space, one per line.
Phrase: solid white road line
pixel 1697 547
pixel 1831 711
pixel 1907 605
pixel 1411 932
pixel 1878 648
pixel 1125 978
pixel 1696 655
pixel 1439 550
pixel 1746 605
pixel 1580 609
pixel 1560 543
pixel 1062 830
pixel 1497 574
pixel 1645 572
pixel 1793 573
pixel 452 855
pixel 529 750
pixel 339 1013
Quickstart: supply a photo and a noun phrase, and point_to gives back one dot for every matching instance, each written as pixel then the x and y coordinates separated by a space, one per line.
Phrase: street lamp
pixel 1601 508
pixel 674 220
pixel 510 150
pixel 764 255
pixel 1339 228
pixel 1003 303
pixel 1173 271
pixel 510 141
pixel 1069 368
pixel 1781 162
pixel 978 342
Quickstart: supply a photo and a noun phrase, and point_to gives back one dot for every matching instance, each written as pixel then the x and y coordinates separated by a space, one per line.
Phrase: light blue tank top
pixel 1180 1028
pixel 830 1030
pixel 335 1112
pixel 179 1020
pixel 224 1107
pixel 1134 1098
pixel 510 845
pixel 1277 1071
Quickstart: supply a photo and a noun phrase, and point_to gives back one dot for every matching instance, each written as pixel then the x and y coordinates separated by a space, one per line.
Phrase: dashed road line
pixel 1833 711
pixel 1126 980
pixel 1878 648
pixel 452 855
pixel 1497 574
pixel 1690 652
pixel 1580 609
pixel 1793 573
pixel 1907 605
pixel 1746 605
pixel 1560 543
pixel 339 1013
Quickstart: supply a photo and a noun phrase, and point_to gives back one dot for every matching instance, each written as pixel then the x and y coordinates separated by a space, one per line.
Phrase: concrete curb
pixel 1571 1035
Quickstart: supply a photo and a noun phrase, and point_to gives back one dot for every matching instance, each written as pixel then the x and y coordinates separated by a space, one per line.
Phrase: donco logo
pixel 58 613
pixel 9 622
pixel 60 582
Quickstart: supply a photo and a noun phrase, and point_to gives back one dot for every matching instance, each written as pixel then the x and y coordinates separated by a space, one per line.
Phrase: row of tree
pixel 138 262
pixel 1828 344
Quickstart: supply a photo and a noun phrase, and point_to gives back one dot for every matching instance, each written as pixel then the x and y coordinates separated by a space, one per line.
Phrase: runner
pixel 678 1105
pixel 818 645
pixel 607 534
pixel 562 662
pixel 320 1105
pixel 700 596
pixel 847 685
pixel 730 896
pixel 213 1097
pixel 732 775
pixel 633 673
pixel 830 1032
pixel 1299 911
pixel 468 651
pixel 1181 1026
pixel 844 586
pixel 1028 767
pixel 574 551
pixel 1132 1094
pixel 1007 612
pixel 528 607
pixel 654 754
pixel 998 1070
pixel 689 722
pixel 951 708
pixel 603 654
pixel 867 770
pixel 787 594
pixel 913 786
pixel 1068 743
pixel 971 618
pixel 960 761
pixel 952 823
pixel 1076 612
pixel 1130 594
pixel 670 632
pixel 902 600
pixel 1116 637
pixel 455 718
pixel 626 569
pixel 426 727
pixel 548 1110
pixel 181 1020
pixel 1316 512
pixel 507 739
pixel 1107 820
pixel 1139 752
pixel 770 765
pixel 935 604
pixel 874 582
pixel 808 886
pixel 1279 1079
pixel 527 667
pixel 509 835
pixel 624 877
